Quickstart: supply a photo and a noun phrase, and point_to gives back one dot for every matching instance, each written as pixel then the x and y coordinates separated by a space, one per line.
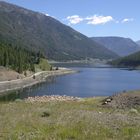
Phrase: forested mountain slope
pixel 132 60
pixel 120 45
pixel 37 31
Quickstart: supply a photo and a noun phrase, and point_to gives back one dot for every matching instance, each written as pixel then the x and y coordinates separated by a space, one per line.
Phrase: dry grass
pixel 7 74
pixel 82 120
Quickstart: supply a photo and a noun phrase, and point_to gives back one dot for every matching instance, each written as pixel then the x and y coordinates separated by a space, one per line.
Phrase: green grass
pixel 83 120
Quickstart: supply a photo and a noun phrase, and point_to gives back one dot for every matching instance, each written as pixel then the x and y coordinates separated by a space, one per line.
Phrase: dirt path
pixel 31 80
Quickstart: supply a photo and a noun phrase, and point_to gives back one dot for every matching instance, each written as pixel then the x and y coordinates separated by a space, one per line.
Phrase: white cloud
pixel 127 20
pixel 75 19
pixel 95 20
pixel 47 14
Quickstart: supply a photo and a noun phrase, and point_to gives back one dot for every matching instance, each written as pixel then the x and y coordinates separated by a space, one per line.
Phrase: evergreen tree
pixel 18 59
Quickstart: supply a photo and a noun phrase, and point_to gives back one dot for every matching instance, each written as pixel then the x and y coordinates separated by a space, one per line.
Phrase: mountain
pixel 37 31
pixel 119 45
pixel 138 42
pixel 132 60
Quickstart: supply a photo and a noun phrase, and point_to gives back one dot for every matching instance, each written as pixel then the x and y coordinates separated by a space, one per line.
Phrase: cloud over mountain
pixel 75 19
pixel 95 19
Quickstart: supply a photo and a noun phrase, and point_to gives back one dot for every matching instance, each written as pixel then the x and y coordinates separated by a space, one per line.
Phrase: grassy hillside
pixel 82 120
pixel 128 61
pixel 37 31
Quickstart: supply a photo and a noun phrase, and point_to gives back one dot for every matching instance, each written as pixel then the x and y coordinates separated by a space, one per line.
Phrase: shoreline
pixel 40 77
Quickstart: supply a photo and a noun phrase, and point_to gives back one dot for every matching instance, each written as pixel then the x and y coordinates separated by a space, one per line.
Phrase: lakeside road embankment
pixel 36 78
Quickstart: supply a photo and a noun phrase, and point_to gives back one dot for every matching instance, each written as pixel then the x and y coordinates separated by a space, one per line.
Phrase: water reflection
pixel 88 83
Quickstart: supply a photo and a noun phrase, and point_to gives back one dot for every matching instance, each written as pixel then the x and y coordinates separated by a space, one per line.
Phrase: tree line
pixel 18 59
pixel 132 60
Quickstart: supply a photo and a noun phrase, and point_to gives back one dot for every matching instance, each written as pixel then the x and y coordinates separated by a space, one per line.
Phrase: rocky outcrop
pixel 123 100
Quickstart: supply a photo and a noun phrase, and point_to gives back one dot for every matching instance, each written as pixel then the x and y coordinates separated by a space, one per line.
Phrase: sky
pixel 92 17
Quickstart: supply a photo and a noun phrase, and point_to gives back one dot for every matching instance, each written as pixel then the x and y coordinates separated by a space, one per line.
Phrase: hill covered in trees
pixel 37 31
pixel 138 42
pixel 119 45
pixel 132 60
pixel 18 59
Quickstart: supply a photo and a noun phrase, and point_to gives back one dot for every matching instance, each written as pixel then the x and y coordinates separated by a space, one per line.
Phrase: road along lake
pixel 88 82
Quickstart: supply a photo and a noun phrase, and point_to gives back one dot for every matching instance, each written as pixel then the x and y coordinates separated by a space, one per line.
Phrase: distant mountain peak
pixel 120 45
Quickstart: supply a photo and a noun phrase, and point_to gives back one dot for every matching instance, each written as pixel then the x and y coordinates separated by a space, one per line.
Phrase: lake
pixel 89 82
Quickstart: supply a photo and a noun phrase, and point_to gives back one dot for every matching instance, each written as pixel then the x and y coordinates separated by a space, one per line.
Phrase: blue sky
pixel 92 17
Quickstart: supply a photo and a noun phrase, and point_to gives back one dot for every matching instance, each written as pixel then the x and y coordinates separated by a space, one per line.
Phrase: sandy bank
pixel 39 77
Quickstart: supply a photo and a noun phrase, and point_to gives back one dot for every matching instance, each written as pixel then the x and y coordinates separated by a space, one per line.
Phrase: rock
pixel 51 98
pixel 18 100
pixel 108 100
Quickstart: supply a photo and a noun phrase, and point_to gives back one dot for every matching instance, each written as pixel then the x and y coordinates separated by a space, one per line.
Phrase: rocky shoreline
pixel 51 98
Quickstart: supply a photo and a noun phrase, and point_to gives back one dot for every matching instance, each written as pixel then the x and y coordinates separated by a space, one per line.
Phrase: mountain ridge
pixel 138 42
pixel 120 45
pixel 37 31
pixel 132 61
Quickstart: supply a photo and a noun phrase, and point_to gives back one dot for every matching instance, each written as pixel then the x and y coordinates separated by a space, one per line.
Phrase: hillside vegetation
pixel 120 45
pixel 128 61
pixel 37 31
pixel 20 59
pixel 138 42
pixel 43 65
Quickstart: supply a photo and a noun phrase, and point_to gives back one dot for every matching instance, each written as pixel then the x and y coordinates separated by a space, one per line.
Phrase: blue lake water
pixel 88 82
